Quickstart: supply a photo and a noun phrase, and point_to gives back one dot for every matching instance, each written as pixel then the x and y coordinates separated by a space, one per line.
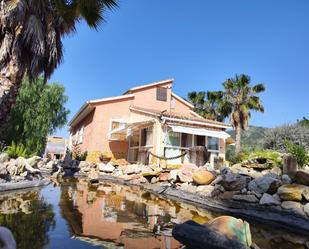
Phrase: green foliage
pixel 77 154
pixel 304 122
pixel 38 112
pixel 298 151
pixel 271 155
pixel 17 150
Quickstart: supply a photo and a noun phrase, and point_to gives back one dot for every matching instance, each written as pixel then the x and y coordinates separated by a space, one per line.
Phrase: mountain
pixel 251 138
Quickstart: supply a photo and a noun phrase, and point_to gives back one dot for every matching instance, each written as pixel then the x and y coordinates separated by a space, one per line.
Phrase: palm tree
pixel 30 39
pixel 239 98
pixel 208 104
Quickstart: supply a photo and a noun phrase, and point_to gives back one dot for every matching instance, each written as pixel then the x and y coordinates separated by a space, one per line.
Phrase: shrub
pixel 275 138
pixel 298 151
pixel 77 154
pixel 17 150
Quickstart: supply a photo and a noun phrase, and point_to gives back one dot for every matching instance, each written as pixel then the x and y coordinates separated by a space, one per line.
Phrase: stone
pixel 203 177
pixel 306 209
pixel 245 198
pixel 33 161
pixel 302 177
pixel 206 190
pixel 233 182
pixel 291 192
pixel 133 169
pixel 293 206
pixel 269 200
pixel 232 228
pixel 173 175
pixel 50 165
pixel 289 165
pixel 163 177
pixel 3 172
pixel 286 179
pixel 186 172
pixel 4 157
pixel 93 176
pixel 264 184
pixel 305 194
pixel 227 195
pixel 154 180
pixel 276 170
pixel 107 168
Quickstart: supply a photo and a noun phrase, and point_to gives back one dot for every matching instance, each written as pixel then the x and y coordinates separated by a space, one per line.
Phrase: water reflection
pixel 28 216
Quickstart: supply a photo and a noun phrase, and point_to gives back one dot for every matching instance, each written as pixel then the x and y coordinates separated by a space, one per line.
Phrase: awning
pixel 199 131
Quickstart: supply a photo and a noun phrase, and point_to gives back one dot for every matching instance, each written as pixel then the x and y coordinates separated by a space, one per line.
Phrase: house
pixel 55 147
pixel 145 122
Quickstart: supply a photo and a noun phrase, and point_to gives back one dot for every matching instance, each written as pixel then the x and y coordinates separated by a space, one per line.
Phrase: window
pixel 173 104
pixel 134 139
pixel 199 140
pixel 173 139
pixel 146 136
pixel 81 135
pixel 162 94
pixel 213 143
pixel 186 140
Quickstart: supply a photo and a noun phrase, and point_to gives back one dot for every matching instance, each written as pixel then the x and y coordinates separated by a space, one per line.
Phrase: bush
pixel 17 150
pixel 271 155
pixel 275 138
pixel 77 154
pixel 298 151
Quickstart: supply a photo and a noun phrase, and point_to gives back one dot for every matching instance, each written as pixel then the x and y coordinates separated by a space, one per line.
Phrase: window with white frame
pixel 80 136
pixel 114 125
pixel 161 93
pixel 146 136
pixel 213 143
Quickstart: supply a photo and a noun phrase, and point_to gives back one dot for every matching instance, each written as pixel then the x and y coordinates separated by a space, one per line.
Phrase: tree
pixel 208 105
pixel 239 98
pixel 30 39
pixel 38 112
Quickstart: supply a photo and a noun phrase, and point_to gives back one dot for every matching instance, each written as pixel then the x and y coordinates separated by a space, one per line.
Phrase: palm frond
pixel 258 88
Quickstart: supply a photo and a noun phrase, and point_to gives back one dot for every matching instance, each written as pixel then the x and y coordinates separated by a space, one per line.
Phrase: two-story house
pixel 149 118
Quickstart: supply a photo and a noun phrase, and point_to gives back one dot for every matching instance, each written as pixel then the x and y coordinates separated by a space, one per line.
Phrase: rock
pixel 291 192
pixel 293 206
pixel 4 174
pixel 306 209
pixel 33 161
pixel 305 194
pixel 268 200
pixel 186 172
pixel 205 190
pixel 286 179
pixel 154 180
pixel 264 184
pixel 173 175
pixel 302 177
pixel 107 168
pixel 93 176
pixel 233 228
pixel 4 157
pixel 196 236
pixel 276 170
pixel 245 198
pixel 163 177
pixel 289 165
pixel 203 177
pixel 133 169
pixel 227 195
pixel 232 182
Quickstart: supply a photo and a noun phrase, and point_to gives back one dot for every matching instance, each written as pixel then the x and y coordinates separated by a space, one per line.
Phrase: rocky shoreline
pixel 264 195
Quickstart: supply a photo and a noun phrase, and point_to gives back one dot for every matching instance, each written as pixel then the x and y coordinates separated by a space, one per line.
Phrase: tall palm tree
pixel 30 39
pixel 239 98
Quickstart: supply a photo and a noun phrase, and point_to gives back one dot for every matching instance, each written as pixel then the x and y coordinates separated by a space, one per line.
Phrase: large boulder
pixel 291 192
pixel 269 200
pixel 289 165
pixel 264 185
pixel 233 228
pixel 203 177
pixel 107 168
pixel 186 172
pixel 302 177
pixel 234 182
pixel 4 157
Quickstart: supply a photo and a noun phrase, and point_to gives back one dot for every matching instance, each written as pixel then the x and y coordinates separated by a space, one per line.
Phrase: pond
pixel 77 215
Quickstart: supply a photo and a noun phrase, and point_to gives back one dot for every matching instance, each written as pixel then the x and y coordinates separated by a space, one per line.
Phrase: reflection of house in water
pixel 110 216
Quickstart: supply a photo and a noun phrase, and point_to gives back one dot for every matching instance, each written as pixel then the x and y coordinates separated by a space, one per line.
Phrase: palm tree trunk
pixel 10 81
pixel 238 134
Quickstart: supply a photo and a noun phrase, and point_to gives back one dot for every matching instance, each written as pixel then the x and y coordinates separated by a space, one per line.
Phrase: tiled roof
pixel 178 116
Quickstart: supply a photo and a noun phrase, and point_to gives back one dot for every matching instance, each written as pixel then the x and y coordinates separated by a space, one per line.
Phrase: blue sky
pixel 200 43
